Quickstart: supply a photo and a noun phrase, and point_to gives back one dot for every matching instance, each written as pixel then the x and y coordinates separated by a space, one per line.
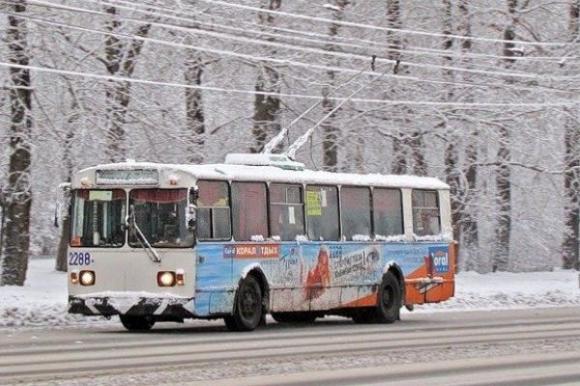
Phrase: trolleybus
pixel 256 235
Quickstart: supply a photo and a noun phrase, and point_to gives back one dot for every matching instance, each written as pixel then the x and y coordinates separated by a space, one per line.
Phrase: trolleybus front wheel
pixel 137 323
pixel 248 310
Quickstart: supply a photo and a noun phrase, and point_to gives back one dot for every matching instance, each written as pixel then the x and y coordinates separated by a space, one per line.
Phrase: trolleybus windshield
pixel 98 217
pixel 161 215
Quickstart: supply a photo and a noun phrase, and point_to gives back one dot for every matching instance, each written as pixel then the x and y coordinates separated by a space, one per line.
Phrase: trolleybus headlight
pixel 166 279
pixel 74 277
pixel 87 278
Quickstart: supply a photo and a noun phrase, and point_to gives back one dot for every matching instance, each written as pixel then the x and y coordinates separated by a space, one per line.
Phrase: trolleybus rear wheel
pixel 137 323
pixel 247 306
pixel 389 300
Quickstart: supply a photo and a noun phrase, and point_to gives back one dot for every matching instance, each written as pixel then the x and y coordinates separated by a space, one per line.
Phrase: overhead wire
pixel 384 29
pixel 346 55
pixel 274 60
pixel 366 44
pixel 282 61
pixel 283 95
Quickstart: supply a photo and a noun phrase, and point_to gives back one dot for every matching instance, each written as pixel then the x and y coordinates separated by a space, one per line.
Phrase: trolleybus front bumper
pixel 161 307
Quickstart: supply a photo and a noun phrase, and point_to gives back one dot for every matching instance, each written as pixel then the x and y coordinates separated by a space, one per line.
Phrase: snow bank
pixel 503 290
pixel 42 301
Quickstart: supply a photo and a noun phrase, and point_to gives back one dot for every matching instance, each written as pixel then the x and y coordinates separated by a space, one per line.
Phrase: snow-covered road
pixel 524 347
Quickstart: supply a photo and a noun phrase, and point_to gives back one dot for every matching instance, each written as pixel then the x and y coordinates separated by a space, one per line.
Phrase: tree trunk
pixel 18 195
pixel 121 61
pixel 399 161
pixel 330 132
pixel 266 108
pixel 571 242
pixel 451 153
pixel 503 172
pixel 61 255
pixel 194 108
pixel 468 222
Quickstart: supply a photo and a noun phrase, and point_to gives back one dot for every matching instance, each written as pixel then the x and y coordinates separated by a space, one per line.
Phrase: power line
pixel 409 50
pixel 385 29
pixel 288 62
pixel 345 55
pixel 298 96
pixel 281 61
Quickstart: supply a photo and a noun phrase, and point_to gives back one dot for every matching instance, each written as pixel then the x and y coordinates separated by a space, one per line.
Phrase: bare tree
pixel 68 163
pixel 452 172
pixel 194 114
pixel 18 195
pixel 468 222
pixel 266 107
pixel 120 60
pixel 571 243
pixel 330 131
pixel 503 171
pixel 399 162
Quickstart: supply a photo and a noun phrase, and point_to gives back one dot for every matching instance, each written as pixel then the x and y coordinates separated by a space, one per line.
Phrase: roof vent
pixel 278 160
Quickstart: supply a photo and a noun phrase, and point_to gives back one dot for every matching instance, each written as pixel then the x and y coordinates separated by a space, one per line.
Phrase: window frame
pixel 229 195
pixel 266 185
pixel 401 208
pixel 72 213
pixel 371 212
pixel 307 223
pixel 286 204
pixel 438 203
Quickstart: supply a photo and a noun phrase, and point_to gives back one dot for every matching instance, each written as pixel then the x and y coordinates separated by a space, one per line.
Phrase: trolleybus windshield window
pixel 286 211
pixel 355 211
pixel 425 213
pixel 213 211
pixel 250 211
pixel 322 213
pixel 387 212
pixel 160 215
pixel 98 217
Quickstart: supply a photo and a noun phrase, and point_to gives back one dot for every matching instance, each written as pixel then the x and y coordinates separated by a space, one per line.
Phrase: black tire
pixel 363 316
pixel 137 323
pixel 389 300
pixel 248 307
pixel 294 317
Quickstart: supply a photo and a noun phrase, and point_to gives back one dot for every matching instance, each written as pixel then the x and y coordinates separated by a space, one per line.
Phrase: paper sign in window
pixel 313 207
pixel 101 195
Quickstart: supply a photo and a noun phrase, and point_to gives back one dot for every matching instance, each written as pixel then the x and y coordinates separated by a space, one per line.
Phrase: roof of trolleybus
pixel 258 173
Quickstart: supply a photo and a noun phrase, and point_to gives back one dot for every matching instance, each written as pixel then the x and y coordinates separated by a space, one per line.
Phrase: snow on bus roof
pixel 276 174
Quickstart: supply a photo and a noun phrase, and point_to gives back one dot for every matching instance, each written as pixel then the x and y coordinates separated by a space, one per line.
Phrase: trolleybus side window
pixel 250 215
pixel 426 213
pixel 322 213
pixel 160 215
pixel 213 211
pixel 387 212
pixel 98 217
pixel 355 213
pixel 286 211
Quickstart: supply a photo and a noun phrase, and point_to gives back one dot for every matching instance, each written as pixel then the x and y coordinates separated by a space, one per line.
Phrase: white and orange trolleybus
pixel 258 234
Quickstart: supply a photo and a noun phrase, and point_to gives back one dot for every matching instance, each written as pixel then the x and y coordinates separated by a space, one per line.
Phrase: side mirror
pixel 190 214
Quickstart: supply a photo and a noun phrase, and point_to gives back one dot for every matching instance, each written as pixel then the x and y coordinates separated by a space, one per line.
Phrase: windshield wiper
pixel 151 252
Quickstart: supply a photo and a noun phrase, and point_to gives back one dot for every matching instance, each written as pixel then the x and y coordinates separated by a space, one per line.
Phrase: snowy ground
pixel 42 301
